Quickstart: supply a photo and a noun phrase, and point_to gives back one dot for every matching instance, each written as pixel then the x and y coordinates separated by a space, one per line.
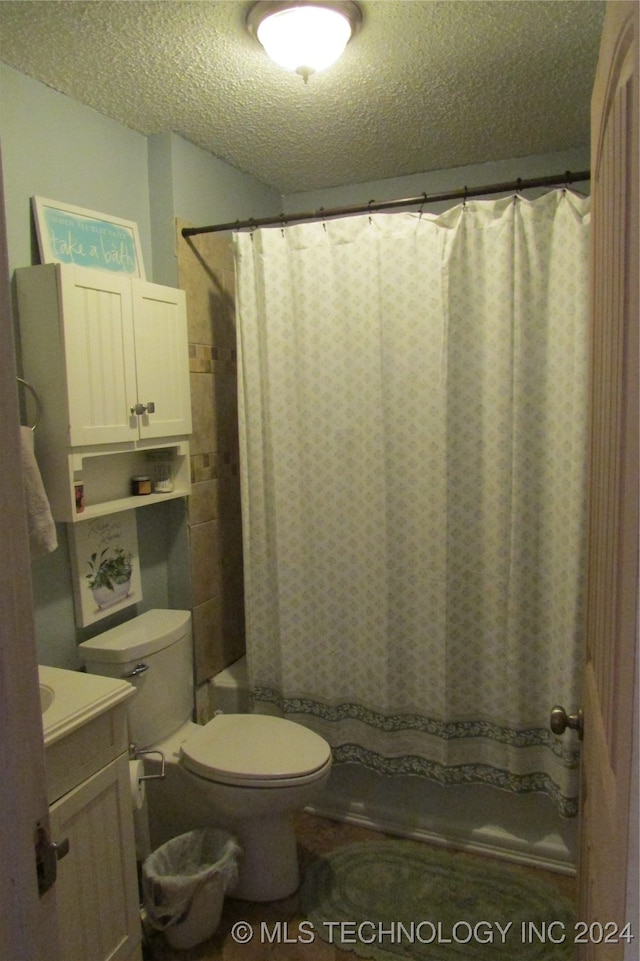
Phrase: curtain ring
pixel 424 200
pixel 464 199
pixel 369 206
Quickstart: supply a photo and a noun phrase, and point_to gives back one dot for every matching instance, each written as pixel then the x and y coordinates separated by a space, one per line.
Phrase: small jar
pixel 163 481
pixel 140 485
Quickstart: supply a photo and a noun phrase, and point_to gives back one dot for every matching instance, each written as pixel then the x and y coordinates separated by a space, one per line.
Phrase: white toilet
pixel 248 772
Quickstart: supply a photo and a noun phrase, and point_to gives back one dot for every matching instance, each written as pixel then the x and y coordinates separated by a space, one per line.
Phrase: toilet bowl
pixel 247 772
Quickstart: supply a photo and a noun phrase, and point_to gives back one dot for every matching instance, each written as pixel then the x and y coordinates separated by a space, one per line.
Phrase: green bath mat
pixel 402 899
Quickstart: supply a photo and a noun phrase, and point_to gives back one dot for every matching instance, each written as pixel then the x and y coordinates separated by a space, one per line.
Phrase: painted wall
pixel 437 181
pixel 188 183
pixel 54 147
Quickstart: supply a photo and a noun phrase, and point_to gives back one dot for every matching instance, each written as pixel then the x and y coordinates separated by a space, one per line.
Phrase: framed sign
pixel 105 566
pixel 72 235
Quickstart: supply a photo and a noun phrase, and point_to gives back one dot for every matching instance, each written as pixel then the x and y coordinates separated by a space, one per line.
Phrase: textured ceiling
pixel 423 86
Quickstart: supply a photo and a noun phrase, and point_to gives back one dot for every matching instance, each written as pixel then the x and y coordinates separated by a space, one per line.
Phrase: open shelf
pixel 106 479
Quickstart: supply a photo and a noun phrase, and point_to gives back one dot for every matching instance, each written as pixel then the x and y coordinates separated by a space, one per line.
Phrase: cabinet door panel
pixel 162 359
pixel 97 317
pixel 96 890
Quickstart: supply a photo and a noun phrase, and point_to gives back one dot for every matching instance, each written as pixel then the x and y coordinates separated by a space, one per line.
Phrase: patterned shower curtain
pixel 413 403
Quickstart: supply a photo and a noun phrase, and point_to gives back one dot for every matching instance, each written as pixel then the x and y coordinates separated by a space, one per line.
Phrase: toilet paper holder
pixel 135 755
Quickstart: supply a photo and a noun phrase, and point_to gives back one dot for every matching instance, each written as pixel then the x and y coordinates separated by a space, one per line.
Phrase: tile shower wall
pixel 206 274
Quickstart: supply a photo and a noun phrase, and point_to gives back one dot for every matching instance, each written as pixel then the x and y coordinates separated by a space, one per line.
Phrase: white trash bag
pixel 184 883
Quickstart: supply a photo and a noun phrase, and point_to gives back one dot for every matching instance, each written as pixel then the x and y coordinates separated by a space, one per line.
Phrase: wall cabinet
pixel 108 357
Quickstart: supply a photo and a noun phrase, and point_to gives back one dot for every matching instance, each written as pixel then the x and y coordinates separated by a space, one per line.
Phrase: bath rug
pixel 403 899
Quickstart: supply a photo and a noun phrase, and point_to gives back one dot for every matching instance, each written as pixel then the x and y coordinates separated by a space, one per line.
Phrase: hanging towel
pixel 42 530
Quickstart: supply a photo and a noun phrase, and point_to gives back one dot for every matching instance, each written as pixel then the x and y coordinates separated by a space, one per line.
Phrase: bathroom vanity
pixel 88 788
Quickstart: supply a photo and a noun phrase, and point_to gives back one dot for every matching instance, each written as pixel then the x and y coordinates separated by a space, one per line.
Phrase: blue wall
pixel 54 147
pixel 438 181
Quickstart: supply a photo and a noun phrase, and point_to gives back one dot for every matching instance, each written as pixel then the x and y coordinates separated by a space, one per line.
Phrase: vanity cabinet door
pixel 97 890
pixel 162 351
pixel 97 319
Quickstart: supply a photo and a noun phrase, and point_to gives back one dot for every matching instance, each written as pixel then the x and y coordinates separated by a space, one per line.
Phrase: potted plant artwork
pixel 105 565
pixel 109 579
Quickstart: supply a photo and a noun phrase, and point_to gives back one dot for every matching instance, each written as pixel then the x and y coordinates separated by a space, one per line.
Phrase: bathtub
pixel 525 828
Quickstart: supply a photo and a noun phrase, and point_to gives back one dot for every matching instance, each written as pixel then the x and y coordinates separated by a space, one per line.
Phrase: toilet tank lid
pixel 143 635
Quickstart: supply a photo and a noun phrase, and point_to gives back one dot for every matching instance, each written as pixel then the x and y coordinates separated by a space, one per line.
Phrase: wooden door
pixel 162 359
pixel 609 797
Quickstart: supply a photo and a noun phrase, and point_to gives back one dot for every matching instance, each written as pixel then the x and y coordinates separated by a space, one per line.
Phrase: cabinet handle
pixel 61 848
pixel 149 408
pixel 48 853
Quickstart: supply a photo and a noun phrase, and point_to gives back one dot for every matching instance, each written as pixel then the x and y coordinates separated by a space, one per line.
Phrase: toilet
pixel 246 772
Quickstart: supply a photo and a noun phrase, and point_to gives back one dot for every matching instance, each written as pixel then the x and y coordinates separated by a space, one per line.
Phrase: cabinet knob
pixel 143 408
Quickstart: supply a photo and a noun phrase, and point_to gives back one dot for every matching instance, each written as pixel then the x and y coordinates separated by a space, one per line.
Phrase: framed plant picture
pixel 73 235
pixel 105 566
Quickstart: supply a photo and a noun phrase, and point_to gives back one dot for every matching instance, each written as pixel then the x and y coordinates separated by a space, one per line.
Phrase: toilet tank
pixel 153 652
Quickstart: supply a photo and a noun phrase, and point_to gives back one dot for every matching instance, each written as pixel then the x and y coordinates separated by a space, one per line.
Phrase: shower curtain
pixel 413 401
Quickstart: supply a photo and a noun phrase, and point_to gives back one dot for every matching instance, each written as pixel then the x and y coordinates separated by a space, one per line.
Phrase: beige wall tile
pixel 203 413
pixel 203 503
pixel 219 641
pixel 206 562
pixel 206 273
pixel 207 632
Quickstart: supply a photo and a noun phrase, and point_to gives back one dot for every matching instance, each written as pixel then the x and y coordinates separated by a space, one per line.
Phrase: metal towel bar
pixel 36 401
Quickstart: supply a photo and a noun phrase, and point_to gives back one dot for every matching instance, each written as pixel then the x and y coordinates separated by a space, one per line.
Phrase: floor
pixel 315 837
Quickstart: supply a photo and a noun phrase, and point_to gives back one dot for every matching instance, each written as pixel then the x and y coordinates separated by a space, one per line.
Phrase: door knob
pixel 559 721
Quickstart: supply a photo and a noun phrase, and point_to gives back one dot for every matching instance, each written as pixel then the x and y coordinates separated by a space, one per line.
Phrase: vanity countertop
pixel 70 699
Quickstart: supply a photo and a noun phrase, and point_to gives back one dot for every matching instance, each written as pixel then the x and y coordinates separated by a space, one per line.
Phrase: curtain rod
pixel 324 212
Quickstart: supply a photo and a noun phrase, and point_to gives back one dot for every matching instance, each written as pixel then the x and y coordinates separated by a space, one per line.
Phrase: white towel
pixel 42 530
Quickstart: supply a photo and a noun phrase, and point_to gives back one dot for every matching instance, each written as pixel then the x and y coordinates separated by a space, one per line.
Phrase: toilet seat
pixel 255 750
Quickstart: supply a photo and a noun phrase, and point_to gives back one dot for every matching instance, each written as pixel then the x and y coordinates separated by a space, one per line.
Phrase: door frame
pixel 28 926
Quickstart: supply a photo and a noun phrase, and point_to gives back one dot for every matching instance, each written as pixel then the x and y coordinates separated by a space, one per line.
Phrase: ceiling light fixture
pixel 304 36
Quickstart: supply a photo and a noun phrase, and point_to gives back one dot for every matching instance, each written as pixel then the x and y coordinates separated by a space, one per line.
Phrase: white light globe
pixel 305 39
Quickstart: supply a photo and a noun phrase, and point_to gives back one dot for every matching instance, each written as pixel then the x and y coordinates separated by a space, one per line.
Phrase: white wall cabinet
pixel 108 357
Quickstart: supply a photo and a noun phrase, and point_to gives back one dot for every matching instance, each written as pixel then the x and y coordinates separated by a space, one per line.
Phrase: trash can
pixel 184 883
